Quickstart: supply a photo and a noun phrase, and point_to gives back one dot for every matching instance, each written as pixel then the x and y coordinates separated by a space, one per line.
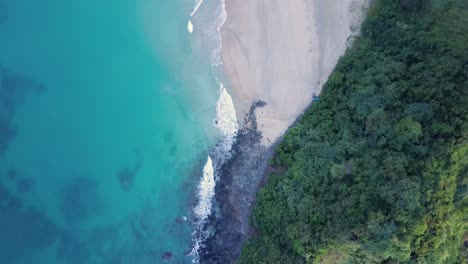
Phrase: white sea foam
pixel 205 191
pixel 190 27
pixel 226 118
pixel 226 122
pixel 196 7
pixel 216 59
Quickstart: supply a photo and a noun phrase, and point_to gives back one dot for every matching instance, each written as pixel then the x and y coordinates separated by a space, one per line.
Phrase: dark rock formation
pixel 240 179
pixel 167 256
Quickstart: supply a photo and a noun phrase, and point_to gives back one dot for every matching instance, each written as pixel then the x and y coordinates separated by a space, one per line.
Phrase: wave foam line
pixel 216 58
pixel 226 122
pixel 190 27
pixel 198 3
pixel 205 191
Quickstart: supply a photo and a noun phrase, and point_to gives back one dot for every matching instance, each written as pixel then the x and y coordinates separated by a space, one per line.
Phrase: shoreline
pixel 276 58
pixel 267 55
pixel 282 52
pixel 229 224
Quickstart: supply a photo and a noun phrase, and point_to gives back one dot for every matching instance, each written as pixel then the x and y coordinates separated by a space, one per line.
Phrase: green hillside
pixel 376 171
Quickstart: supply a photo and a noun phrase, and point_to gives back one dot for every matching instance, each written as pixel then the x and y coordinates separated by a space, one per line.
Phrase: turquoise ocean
pixel 107 115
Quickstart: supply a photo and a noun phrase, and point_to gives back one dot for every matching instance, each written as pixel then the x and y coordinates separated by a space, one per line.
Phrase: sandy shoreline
pixel 282 52
pixel 277 54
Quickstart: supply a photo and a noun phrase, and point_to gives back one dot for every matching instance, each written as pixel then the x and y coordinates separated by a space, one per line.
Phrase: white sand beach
pixel 282 52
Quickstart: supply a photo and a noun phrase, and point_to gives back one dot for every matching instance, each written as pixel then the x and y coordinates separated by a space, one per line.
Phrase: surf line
pixel 197 5
pixel 226 123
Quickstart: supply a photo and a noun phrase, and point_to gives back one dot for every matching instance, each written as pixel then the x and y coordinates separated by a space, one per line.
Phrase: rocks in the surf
pixel 250 126
pixel 235 194
pixel 80 199
pixel 181 220
pixel 167 256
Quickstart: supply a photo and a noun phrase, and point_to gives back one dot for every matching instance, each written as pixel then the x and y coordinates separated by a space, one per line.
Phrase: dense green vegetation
pixel 376 171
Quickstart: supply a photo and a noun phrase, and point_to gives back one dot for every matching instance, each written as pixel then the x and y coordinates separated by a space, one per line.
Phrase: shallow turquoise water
pixel 105 121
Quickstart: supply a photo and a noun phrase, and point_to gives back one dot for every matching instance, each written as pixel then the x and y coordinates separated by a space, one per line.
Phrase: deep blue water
pixel 105 121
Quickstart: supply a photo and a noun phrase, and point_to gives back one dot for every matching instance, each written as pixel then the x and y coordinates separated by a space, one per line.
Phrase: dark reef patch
pixel 143 224
pixel 22 230
pixel 127 176
pixel 16 84
pixel 126 179
pixel 24 185
pixel 12 174
pixel 4 194
pixel 80 200
pixel 73 251
pixel 13 90
pixel 41 231
pixel 7 134
pixel 13 204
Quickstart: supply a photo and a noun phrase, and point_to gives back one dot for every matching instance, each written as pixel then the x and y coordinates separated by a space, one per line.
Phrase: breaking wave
pixel 197 5
pixel 226 122
pixel 205 191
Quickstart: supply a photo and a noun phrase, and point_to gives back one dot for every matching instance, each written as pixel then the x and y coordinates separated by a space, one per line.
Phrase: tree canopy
pixel 376 171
